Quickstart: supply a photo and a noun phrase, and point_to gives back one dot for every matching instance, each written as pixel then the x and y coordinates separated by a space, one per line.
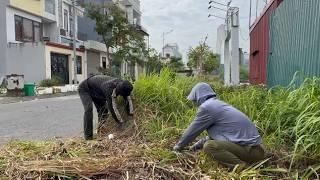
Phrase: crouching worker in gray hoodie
pixel 233 139
pixel 103 91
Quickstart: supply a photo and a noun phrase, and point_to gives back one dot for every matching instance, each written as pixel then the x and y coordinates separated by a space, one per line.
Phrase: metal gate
pixel 60 67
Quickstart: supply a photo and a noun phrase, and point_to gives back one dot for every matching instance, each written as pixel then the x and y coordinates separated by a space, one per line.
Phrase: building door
pixel 60 67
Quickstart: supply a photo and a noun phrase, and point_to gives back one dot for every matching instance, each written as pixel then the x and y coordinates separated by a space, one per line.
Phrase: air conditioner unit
pixel 82 47
pixel 46 39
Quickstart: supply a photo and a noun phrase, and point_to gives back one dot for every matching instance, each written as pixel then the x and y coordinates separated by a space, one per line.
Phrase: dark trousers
pixel 87 102
pixel 231 154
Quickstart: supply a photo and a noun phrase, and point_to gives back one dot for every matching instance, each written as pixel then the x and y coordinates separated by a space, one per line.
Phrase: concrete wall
pixel 27 59
pixel 3 37
pixel 33 6
pixel 51 30
pixel 94 62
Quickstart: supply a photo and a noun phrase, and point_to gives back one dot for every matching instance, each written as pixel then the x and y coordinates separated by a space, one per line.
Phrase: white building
pixel 171 50
pixel 36 40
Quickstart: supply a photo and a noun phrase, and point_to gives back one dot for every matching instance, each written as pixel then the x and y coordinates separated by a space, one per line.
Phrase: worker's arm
pixel 202 122
pixel 129 105
pixel 112 105
pixel 199 145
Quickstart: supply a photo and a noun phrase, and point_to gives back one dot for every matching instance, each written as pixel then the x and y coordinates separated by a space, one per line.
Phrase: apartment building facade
pixel 96 50
pixel 36 40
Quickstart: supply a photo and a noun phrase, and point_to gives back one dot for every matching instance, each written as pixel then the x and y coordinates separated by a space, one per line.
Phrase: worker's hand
pixel 192 148
pixel 121 126
pixel 177 148
pixel 130 117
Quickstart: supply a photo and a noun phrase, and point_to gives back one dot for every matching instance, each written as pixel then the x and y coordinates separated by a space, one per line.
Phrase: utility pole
pixel 231 60
pixel 163 38
pixel 202 56
pixel 235 72
pixel 74 42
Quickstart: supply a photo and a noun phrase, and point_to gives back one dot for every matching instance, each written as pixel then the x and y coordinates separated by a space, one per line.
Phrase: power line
pixel 217 8
pixel 217 3
pixel 215 16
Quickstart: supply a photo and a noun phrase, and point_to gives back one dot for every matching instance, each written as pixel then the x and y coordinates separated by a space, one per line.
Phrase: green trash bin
pixel 29 89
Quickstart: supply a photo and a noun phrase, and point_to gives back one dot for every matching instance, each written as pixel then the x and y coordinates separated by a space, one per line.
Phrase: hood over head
pixel 200 93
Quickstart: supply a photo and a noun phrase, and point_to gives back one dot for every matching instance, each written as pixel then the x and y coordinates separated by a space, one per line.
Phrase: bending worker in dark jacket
pixel 233 139
pixel 103 91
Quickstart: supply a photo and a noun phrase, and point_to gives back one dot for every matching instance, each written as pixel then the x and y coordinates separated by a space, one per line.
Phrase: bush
pixel 54 81
pixel 244 74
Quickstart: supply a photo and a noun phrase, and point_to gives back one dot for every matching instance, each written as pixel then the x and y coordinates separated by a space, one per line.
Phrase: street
pixel 41 119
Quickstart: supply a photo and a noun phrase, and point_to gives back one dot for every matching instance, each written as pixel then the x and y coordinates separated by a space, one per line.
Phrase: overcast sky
pixel 190 22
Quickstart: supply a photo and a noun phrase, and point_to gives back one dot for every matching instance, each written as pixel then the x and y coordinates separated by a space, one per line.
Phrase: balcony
pixel 134 3
pixel 142 30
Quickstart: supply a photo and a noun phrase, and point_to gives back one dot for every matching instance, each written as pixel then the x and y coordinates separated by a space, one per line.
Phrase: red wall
pixel 259 45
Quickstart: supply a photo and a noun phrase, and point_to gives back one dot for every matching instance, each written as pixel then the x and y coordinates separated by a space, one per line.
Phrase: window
pixel 50 6
pixel 27 30
pixel 104 62
pixel 65 20
pixel 18 28
pixel 79 65
pixel 168 55
pixel 36 31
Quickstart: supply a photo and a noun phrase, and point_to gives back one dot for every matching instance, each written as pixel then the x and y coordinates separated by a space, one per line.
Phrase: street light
pixel 163 37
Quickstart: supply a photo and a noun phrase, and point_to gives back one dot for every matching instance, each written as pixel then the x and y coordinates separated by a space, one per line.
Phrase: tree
pixel 153 64
pixel 202 58
pixel 175 64
pixel 117 33
pixel 211 63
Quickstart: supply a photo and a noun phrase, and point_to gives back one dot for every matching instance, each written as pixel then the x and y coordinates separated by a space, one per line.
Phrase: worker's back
pixel 230 124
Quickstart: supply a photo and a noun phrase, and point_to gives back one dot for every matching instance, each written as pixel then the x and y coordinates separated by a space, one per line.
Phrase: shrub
pixel 54 81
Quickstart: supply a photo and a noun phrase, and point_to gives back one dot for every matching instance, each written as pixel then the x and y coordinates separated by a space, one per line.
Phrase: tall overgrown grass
pixel 288 119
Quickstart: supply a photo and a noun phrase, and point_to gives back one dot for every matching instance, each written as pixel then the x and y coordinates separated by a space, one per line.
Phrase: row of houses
pixel 284 42
pixel 36 39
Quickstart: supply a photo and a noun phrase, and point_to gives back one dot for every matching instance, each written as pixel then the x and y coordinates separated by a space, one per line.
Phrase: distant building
pixel 169 51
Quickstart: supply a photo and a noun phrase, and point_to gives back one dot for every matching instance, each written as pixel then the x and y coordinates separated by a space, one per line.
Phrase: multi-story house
pixel 36 40
pixel 96 50
pixel 170 51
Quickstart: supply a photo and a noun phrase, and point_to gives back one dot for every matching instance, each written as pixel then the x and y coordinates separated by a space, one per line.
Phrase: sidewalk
pixel 8 100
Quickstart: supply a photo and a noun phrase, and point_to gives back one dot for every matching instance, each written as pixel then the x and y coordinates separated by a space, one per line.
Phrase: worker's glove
pixel 192 149
pixel 130 117
pixel 121 126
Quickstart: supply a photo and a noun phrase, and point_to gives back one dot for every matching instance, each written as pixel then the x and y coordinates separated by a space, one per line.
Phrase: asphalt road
pixel 42 119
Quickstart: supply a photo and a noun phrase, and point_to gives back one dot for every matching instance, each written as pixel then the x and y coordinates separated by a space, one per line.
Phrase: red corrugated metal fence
pixel 259 45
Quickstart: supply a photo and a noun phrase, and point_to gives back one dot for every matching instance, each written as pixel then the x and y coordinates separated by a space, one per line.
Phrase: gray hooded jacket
pixel 222 121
